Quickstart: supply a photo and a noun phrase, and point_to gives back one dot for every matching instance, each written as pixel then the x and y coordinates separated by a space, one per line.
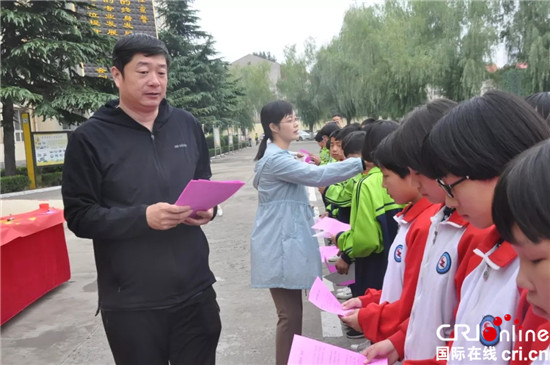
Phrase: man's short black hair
pixel 521 195
pixel 481 135
pixel 127 47
pixel 342 133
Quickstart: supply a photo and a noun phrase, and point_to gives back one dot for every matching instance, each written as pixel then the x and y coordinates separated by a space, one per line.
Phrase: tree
pixel 527 39
pixel 265 55
pixel 199 81
pixel 254 80
pixel 43 45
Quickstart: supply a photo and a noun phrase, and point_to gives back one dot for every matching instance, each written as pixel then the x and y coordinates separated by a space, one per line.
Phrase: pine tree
pixel 43 46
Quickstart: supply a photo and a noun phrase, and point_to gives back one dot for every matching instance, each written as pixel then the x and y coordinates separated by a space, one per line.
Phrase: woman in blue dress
pixel 284 254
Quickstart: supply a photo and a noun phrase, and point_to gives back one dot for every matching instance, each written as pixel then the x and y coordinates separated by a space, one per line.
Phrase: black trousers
pixel 369 273
pixel 187 333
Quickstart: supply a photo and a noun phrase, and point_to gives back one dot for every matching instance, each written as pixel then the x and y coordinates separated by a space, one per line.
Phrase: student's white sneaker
pixel 344 294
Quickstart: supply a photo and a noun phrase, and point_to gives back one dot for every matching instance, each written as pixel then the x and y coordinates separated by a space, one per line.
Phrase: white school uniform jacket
pixel 393 279
pixel 435 298
pixel 488 290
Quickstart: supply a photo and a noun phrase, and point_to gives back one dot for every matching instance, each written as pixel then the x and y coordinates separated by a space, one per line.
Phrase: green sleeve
pixel 365 235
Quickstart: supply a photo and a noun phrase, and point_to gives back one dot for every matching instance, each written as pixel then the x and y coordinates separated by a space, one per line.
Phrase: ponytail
pixel 261 149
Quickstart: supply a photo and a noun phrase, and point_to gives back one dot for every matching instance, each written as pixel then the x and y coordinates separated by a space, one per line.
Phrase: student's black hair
pixel 272 112
pixel 480 136
pixel 342 133
pixel 326 131
pixel 365 123
pixel 374 135
pixel 414 128
pixel 541 102
pixel 521 195
pixel 384 156
pixel 353 142
pixel 127 47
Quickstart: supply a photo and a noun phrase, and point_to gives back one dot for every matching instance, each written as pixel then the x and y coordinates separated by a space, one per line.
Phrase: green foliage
pixel 50 179
pixel 255 82
pixel 199 82
pixel 44 44
pixel 19 171
pixel 10 184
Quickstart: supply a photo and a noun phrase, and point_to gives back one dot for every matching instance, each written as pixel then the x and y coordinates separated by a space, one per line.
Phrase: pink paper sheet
pixel 307 155
pixel 205 194
pixel 327 252
pixel 322 298
pixel 312 352
pixel 332 269
pixel 330 226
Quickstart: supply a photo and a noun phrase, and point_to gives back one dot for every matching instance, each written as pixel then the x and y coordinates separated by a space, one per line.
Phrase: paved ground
pixel 60 328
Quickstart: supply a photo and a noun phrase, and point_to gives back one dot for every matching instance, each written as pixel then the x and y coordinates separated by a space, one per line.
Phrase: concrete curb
pixel 26 192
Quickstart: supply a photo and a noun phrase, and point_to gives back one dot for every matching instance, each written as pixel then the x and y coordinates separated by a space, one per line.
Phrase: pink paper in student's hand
pixel 312 352
pixel 332 268
pixel 306 154
pixel 322 298
pixel 331 226
pixel 327 252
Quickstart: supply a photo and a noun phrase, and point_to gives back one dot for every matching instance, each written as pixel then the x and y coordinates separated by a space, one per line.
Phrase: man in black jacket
pixel 124 169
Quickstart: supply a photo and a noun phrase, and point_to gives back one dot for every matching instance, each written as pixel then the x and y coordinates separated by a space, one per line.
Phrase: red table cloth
pixel 34 258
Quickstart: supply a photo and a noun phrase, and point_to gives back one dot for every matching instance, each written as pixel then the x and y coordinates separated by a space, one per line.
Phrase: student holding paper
pixel 124 169
pixel 284 254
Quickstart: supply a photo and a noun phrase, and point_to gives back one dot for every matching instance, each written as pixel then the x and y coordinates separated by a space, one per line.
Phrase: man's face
pixel 143 85
pixel 338 120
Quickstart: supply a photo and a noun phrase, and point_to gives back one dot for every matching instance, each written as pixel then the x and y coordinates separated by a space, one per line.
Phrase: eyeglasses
pixel 449 187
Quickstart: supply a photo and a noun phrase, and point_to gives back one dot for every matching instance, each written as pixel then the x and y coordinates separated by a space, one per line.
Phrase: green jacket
pixel 372 223
pixel 324 156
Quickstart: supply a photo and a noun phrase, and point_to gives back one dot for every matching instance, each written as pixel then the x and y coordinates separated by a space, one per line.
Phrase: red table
pixel 33 258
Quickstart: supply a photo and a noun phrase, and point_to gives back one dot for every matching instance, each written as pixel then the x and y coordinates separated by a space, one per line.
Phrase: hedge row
pixel 10 184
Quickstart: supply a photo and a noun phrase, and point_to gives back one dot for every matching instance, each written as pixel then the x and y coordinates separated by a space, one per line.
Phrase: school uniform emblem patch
pixel 397 254
pixel 444 263
pixel 489 332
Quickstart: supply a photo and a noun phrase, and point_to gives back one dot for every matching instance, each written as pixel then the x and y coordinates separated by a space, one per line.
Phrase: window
pixel 18 126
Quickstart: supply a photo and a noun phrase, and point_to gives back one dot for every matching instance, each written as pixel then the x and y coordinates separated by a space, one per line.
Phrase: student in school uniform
pixel 372 226
pixel 467 150
pixel 414 223
pixel 521 211
pixel 322 139
pixel 284 254
pixel 339 195
pixel 448 236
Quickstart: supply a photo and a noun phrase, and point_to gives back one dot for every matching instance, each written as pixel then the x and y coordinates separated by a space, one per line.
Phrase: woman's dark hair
pixel 414 128
pixel 385 156
pixel 375 133
pixel 521 195
pixel 480 136
pixel 127 47
pixel 272 112
pixel 541 103
pixel 353 142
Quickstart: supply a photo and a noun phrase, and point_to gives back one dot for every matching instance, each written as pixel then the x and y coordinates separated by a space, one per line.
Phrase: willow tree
pixel 295 84
pixel 527 39
pixel 254 80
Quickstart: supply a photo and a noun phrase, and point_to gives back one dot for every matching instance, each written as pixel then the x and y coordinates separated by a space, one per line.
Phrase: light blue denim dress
pixel 284 253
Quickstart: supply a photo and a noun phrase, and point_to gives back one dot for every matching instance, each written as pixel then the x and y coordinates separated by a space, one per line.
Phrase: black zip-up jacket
pixel 115 168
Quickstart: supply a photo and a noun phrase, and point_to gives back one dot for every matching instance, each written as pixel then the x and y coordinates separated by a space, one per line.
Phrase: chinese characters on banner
pixel 118 18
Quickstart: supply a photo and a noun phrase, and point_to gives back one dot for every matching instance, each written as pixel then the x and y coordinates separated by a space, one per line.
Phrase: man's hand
pixel 352 320
pixel 342 266
pixel 163 216
pixel 202 217
pixel 382 349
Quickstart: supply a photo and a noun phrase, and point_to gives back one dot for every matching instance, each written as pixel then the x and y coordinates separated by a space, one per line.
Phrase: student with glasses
pixel 474 142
